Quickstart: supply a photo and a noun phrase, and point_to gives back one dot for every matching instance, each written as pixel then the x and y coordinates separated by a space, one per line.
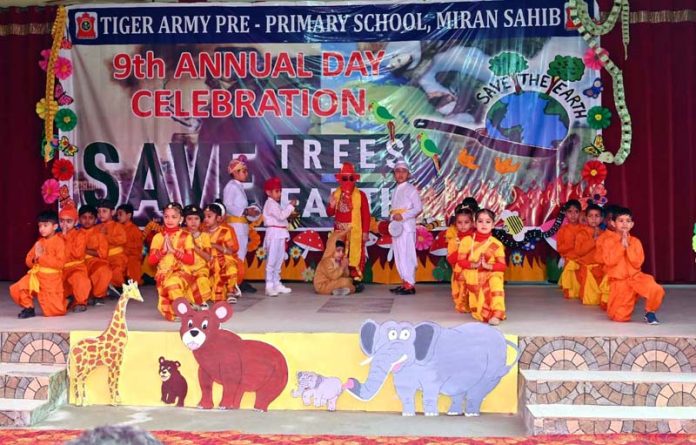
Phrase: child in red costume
pixel 351 210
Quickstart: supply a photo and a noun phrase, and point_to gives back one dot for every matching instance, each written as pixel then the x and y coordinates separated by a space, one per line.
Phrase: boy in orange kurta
pixel 565 240
pixel 96 254
pixel 609 211
pixel 623 255
pixel 75 277
pixel 45 261
pixel 590 274
pixel 134 243
pixel 116 237
pixel 463 225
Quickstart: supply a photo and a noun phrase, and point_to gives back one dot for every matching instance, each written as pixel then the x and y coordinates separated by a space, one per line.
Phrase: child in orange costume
pixel 463 222
pixel 482 259
pixel 609 211
pixel 134 243
pixel 590 274
pixel 116 237
pixel 45 261
pixel 565 238
pixel 171 250
pixel 199 271
pixel 623 255
pixel 75 277
pixel 224 263
pixel 96 254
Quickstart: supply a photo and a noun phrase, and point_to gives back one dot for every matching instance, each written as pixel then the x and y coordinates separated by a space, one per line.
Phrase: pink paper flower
pixel 50 190
pixel 424 239
pixel 592 60
pixel 64 68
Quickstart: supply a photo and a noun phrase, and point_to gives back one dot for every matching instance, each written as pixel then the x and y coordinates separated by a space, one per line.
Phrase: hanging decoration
pixel 590 32
pixel 57 34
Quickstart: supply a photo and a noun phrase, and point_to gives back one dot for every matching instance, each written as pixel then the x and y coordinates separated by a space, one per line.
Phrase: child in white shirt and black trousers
pixel 275 219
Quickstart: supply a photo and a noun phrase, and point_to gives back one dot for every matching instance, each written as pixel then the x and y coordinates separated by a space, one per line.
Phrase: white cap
pixel 401 163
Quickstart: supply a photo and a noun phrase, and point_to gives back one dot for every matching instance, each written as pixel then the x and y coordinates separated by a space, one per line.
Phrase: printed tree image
pixel 566 68
pixel 509 63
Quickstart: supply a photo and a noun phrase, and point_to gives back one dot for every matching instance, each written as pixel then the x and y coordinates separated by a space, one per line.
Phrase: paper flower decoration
pixel 254 239
pixel 44 109
pixel 295 252
pixel 516 258
pixel 62 169
pixel 66 147
pixel 63 68
pixel 598 118
pixel 66 119
pixel 594 172
pixel 50 190
pixel 592 59
pixel 308 275
pixel 424 239
pixel 261 253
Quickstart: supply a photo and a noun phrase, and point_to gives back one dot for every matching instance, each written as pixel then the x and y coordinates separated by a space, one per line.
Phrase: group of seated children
pixel 79 266
pixel 478 263
pixel 602 267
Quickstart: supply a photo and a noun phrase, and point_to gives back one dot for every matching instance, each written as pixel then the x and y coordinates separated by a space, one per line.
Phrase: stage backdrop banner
pixel 493 99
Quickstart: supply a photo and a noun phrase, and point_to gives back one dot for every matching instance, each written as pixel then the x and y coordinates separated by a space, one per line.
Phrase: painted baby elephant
pixel 324 390
pixel 464 363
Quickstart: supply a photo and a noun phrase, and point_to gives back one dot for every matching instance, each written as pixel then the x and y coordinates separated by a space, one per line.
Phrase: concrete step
pixel 594 419
pixel 32 381
pixel 22 412
pixel 610 388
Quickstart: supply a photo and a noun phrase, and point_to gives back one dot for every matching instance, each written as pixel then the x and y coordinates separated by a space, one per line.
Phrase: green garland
pixel 590 31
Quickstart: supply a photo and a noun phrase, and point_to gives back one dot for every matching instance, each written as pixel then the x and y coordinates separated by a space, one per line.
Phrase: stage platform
pixel 533 310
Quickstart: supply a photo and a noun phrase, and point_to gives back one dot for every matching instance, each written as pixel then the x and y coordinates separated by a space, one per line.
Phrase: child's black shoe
pixel 27 312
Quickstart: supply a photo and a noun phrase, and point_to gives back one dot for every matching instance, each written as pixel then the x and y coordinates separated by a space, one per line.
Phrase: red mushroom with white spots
pixel 308 241
pixel 385 242
pixel 439 246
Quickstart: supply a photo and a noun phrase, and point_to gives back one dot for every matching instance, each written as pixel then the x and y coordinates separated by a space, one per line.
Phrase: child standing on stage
pixel 464 223
pixel 116 237
pixel 134 243
pixel 45 261
pixel 623 255
pixel 75 277
pixel 405 207
pixel 224 251
pixel 590 274
pixel 482 259
pixel 96 254
pixel 237 205
pixel 171 250
pixel 565 238
pixel 275 219
pixel 199 280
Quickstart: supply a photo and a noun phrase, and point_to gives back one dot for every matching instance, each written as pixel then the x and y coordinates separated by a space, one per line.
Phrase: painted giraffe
pixel 104 350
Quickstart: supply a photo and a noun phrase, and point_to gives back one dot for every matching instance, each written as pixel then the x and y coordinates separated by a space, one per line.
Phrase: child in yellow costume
pixel 463 223
pixel 565 238
pixel 332 276
pixel 199 271
pixel 171 250
pixel 482 259
pixel 224 251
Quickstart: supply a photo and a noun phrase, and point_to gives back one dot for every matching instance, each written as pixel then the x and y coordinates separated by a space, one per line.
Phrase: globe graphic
pixel 528 117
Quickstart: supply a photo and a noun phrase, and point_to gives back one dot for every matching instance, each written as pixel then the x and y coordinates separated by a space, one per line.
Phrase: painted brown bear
pixel 225 358
pixel 174 386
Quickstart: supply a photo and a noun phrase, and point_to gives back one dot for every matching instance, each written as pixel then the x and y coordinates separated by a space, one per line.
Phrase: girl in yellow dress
pixel 482 258
pixel 199 271
pixel 223 272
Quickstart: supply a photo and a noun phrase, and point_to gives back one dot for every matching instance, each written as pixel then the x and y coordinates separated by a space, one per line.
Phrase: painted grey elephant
pixel 324 390
pixel 464 363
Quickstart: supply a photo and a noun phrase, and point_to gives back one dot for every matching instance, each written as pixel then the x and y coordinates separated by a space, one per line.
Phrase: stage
pixel 532 310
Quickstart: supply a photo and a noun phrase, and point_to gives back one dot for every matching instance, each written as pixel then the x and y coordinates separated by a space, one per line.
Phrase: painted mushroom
pixel 439 246
pixel 308 241
pixel 385 242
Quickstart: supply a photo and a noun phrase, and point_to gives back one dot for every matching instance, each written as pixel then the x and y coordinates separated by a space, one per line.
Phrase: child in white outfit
pixel 275 219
